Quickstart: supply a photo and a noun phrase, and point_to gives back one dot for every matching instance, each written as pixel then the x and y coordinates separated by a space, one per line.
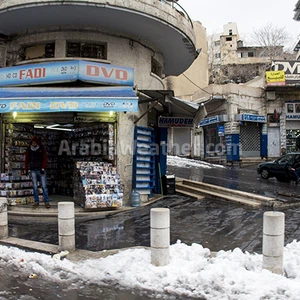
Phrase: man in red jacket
pixel 36 162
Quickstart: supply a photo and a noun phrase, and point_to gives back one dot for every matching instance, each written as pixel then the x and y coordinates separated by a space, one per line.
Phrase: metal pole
pixel 273 241
pixel 160 236
pixel 3 218
pixel 66 226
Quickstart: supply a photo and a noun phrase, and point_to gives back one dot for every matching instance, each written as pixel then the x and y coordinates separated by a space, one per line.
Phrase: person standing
pixel 36 162
pixel 294 170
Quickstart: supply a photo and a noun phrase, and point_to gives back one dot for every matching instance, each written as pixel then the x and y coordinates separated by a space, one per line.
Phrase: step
pixel 218 195
pixel 188 194
pixel 230 192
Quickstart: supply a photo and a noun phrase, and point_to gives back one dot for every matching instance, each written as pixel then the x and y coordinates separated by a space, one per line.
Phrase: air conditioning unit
pixel 271 95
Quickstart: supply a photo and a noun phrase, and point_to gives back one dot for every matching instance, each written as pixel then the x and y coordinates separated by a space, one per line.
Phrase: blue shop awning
pixel 118 99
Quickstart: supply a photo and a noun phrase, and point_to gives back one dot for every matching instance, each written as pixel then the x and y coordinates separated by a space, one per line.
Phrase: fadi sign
pixel 291 69
pixel 175 122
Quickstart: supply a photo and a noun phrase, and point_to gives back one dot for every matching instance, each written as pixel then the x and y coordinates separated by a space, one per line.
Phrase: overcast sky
pixel 254 14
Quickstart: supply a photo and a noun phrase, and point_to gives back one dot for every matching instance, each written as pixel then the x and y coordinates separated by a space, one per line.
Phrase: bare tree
pixel 272 39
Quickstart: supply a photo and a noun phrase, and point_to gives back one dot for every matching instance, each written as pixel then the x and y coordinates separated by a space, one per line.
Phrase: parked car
pixel 278 168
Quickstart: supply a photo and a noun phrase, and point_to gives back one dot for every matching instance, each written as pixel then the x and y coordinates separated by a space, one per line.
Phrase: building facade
pixel 106 58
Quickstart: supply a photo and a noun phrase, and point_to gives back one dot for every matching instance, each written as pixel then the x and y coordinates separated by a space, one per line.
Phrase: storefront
pixel 253 135
pixel 77 121
pixel 292 126
pixel 214 135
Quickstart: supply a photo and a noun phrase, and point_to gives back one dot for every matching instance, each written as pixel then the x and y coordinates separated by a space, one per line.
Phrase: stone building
pixel 78 65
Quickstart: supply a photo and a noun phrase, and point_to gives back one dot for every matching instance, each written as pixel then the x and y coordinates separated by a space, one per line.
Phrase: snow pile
pixel 192 272
pixel 187 162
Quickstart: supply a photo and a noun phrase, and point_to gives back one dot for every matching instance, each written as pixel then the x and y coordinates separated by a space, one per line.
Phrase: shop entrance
pixel 250 139
pixel 67 144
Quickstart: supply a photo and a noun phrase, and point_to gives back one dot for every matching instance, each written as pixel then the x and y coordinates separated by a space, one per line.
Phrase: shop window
pixel 87 50
pixel 38 51
pixel 290 108
pixel 156 67
pixel 297 108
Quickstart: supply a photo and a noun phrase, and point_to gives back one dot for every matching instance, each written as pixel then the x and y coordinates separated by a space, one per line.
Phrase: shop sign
pixel 251 118
pixel 211 120
pixel 291 68
pixel 275 78
pixel 175 122
pixel 292 116
pixel 66 71
pixel 221 130
pixel 74 105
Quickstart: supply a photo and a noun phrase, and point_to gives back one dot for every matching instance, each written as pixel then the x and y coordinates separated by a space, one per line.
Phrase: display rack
pixel 144 161
pixel 14 184
pixel 97 185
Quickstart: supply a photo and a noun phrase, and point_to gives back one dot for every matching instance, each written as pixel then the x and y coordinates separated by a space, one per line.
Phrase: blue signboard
pixel 66 104
pixel 66 71
pixel 221 130
pixel 59 99
pixel 254 118
pixel 212 120
pixel 232 147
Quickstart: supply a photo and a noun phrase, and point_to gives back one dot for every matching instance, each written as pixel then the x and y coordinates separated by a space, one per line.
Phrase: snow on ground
pixel 187 162
pixel 232 275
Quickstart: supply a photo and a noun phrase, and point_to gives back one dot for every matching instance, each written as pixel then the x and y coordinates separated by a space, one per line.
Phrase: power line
pixel 196 85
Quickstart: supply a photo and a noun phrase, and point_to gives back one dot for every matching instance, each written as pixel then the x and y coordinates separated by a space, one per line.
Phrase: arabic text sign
pixel 67 104
pixel 275 78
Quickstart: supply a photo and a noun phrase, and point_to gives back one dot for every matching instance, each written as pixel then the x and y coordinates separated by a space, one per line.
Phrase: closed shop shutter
pixel 250 136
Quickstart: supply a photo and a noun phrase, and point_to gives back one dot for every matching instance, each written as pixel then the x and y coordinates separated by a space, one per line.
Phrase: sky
pixel 251 15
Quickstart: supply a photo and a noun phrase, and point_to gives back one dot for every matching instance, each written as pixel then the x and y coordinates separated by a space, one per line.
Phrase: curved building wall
pixel 121 51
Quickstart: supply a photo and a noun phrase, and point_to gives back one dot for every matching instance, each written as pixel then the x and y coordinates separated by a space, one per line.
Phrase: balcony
pixel 160 24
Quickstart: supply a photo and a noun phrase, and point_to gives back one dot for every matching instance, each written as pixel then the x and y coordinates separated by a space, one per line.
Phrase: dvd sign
pixel 291 69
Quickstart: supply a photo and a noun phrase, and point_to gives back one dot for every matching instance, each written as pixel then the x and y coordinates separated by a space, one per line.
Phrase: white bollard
pixel 66 226
pixel 273 241
pixel 3 218
pixel 160 236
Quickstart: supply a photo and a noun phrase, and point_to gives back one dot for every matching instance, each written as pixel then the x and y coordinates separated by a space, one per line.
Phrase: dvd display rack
pixel 14 184
pixel 97 185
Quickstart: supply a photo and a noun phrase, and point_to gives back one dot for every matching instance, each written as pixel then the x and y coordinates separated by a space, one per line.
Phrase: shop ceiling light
pixel 15 114
pixel 55 127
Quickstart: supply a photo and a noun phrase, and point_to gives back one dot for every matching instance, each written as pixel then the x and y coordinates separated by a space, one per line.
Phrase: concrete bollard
pixel 160 236
pixel 3 218
pixel 273 241
pixel 66 226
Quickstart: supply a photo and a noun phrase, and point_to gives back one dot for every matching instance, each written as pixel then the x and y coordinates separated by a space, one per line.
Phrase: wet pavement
pixel 15 285
pixel 244 179
pixel 217 225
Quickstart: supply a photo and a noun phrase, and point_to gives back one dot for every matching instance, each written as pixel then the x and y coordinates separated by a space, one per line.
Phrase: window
pixel 228 39
pixel 38 51
pixel 217 43
pixel 156 67
pixel 218 55
pixel 297 108
pixel 230 31
pixel 250 54
pixel 290 108
pixel 88 50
